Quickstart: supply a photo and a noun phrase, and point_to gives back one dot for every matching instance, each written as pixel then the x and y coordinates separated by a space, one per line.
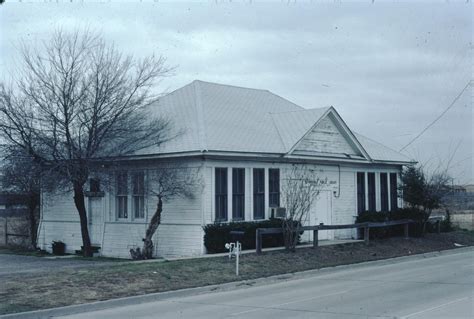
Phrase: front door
pixel 96 220
pixel 321 212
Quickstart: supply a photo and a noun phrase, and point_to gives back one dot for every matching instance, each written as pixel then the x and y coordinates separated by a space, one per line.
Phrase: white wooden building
pixel 242 142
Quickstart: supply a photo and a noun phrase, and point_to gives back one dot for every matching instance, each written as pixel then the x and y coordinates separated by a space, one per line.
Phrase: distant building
pixel 12 204
pixel 469 188
pixel 458 189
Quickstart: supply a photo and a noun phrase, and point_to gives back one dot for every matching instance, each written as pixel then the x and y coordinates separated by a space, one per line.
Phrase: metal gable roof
pixel 293 125
pixel 216 117
pixel 380 152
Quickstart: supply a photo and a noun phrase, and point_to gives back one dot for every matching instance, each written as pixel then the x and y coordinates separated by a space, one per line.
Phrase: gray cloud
pixel 389 69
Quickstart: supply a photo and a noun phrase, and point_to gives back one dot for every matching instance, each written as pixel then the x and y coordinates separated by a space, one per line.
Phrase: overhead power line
pixel 440 116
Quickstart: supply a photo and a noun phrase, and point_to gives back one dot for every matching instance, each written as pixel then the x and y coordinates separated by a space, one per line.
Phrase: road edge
pixel 134 300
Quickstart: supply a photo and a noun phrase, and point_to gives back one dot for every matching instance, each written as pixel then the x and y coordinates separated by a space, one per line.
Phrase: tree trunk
pixel 147 251
pixel 81 208
pixel 290 235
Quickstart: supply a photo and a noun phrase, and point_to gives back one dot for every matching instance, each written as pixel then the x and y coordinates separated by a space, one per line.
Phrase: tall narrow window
pixel 360 192
pixel 274 187
pixel 258 193
pixel 393 192
pixel 138 194
pixel 383 192
pixel 122 195
pixel 94 185
pixel 221 194
pixel 238 193
pixel 371 191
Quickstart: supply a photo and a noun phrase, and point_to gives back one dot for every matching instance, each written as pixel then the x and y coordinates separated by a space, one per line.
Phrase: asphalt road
pixel 433 287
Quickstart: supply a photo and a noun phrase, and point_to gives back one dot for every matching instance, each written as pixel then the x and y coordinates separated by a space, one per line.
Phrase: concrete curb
pixel 134 300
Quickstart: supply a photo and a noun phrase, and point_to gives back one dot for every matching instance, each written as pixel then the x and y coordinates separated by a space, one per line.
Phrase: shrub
pixel 415 214
pixel 446 225
pixel 217 235
pixel 416 229
pixel 374 217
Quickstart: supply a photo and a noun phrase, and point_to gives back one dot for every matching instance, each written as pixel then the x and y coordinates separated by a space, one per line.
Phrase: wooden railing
pixel 366 226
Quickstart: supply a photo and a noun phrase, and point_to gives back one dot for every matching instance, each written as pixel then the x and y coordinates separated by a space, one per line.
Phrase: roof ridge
pixel 175 90
pixel 234 86
pixel 254 89
pixel 278 132
pixel 200 116
pixel 302 109
pixel 379 143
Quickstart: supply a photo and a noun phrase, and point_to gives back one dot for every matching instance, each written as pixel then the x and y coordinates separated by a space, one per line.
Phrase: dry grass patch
pixel 68 287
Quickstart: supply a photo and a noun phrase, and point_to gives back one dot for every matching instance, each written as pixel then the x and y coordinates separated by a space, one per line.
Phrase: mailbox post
pixel 235 248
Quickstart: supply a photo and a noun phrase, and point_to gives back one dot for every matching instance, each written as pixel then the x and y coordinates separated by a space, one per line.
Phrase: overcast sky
pixel 388 68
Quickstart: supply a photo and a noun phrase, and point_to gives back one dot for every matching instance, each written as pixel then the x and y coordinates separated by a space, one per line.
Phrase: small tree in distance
pixel 167 182
pixel 300 189
pixel 76 101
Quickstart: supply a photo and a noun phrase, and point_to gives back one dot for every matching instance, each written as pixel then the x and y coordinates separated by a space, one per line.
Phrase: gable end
pixel 331 137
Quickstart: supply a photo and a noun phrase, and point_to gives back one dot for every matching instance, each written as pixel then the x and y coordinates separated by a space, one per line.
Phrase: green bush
pixel 217 235
pixel 446 225
pixel 417 215
pixel 416 229
pixel 374 217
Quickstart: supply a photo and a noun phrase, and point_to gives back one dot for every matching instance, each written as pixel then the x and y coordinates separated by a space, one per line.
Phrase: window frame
pixel 273 187
pixel 138 194
pixel 221 194
pixel 94 185
pixel 393 191
pixel 360 192
pixel 238 194
pixel 258 193
pixel 384 207
pixel 121 195
pixel 371 191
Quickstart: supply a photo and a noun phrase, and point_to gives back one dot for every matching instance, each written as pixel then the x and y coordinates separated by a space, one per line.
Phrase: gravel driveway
pixel 15 264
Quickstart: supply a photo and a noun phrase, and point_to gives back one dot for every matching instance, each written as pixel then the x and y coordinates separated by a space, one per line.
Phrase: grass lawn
pixel 67 287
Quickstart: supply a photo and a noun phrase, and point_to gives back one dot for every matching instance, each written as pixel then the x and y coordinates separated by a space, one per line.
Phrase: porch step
pixel 95 250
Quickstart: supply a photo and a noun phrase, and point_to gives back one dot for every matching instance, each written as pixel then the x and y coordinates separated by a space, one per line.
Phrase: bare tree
pixel 168 182
pixel 76 100
pixel 299 191
pixel 22 176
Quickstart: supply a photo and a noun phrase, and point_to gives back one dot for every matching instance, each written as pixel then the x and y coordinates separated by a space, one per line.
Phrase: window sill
pixel 128 222
pixel 94 194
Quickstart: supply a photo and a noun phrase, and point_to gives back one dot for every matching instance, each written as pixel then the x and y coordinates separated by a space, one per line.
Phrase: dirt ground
pixel 75 286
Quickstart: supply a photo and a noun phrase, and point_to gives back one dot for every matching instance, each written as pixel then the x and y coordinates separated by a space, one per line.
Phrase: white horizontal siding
pixel 67 232
pixel 326 138
pixel 60 221
pixel 344 206
pixel 181 233
pixel 119 238
pixel 180 240
pixel 59 207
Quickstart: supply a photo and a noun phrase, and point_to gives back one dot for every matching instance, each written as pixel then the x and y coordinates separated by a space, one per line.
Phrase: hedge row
pixel 217 235
pixel 416 229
